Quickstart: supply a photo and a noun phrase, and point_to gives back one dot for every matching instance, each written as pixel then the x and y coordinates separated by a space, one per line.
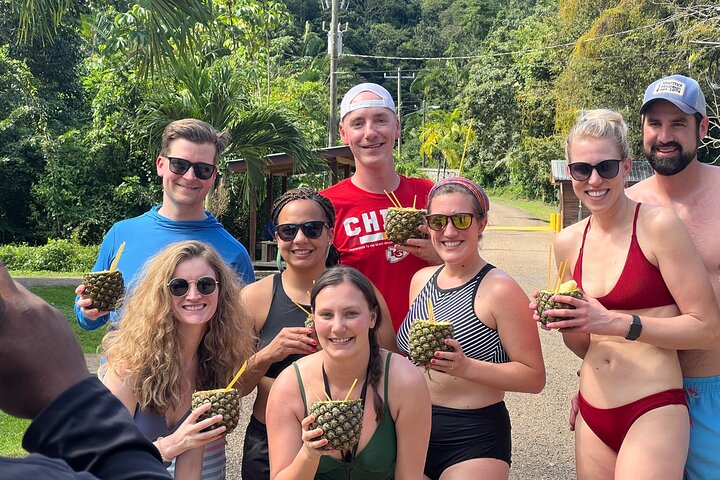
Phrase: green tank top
pixel 374 462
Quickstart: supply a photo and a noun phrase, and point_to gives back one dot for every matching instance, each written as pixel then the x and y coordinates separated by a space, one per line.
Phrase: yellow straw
pixel 240 372
pixel 562 274
pixel 549 265
pixel 414 200
pixel 467 139
pixel 396 200
pixel 302 308
pixel 557 277
pixel 316 395
pixel 430 310
pixel 117 257
pixel 349 391
pixel 391 200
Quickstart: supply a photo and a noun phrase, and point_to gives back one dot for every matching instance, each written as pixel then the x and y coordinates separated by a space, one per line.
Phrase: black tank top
pixel 283 313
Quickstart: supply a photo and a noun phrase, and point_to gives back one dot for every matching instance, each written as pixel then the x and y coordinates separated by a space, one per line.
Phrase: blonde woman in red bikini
pixel 646 296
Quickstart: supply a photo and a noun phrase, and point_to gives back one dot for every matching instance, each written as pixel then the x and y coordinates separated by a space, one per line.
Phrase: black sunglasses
pixel 607 169
pixel 180 286
pixel 438 221
pixel 288 231
pixel 179 166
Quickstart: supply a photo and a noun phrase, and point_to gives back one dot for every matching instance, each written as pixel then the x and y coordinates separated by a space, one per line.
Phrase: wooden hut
pixel 283 165
pixel 571 208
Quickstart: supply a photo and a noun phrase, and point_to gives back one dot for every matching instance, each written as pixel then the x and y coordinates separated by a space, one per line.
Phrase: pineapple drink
pixel 104 288
pixel 224 402
pixel 427 337
pixel 340 420
pixel 310 323
pixel 402 224
pixel 544 303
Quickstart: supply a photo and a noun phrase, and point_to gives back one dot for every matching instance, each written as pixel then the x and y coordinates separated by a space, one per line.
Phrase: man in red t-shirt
pixel 370 127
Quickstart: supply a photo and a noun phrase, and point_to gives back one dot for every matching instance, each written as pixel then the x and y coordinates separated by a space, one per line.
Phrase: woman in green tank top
pixel 396 414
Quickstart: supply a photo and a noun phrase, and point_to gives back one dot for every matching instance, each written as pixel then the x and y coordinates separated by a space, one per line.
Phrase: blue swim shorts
pixel 703 396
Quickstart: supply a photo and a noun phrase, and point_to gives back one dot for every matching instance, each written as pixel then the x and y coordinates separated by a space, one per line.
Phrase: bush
pixel 55 256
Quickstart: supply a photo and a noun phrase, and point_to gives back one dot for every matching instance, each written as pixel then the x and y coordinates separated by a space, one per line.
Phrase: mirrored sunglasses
pixel 438 221
pixel 288 231
pixel 180 286
pixel 179 166
pixel 607 169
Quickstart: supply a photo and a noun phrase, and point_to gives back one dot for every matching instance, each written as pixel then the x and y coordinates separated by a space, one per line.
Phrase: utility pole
pixel 333 51
pixel 398 106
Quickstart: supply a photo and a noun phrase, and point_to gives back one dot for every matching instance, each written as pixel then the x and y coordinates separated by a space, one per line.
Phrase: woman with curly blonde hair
pixel 182 328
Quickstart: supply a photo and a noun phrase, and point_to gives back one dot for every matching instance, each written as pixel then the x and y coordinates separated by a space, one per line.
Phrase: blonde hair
pixel 144 349
pixel 603 124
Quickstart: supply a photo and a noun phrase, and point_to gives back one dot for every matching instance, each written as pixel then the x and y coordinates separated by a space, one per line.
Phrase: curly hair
pixel 338 275
pixel 144 348
pixel 306 193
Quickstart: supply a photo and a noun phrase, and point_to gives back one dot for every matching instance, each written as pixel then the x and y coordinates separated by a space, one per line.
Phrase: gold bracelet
pixel 165 459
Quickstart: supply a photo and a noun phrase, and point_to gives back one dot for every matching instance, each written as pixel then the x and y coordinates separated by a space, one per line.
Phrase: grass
pixel 11 437
pixel 62 298
pixel 44 273
pixel 536 208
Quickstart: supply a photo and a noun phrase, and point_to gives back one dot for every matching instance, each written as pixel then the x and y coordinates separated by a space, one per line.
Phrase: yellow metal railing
pixel 555 225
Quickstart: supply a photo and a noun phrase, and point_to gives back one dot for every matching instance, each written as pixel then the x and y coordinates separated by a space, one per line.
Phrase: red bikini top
pixel 640 284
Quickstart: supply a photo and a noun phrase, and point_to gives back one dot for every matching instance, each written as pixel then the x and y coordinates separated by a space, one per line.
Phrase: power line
pixel 517 52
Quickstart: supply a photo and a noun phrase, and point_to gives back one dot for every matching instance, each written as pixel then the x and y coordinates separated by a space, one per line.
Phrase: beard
pixel 668 166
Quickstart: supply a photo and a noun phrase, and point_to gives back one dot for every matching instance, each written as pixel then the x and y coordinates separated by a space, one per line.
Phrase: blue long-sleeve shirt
pixel 148 234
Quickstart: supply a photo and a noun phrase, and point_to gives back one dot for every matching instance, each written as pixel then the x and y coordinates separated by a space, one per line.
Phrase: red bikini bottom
pixel 612 424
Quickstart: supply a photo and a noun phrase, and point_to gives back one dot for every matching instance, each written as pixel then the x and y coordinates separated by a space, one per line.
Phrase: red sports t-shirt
pixel 359 229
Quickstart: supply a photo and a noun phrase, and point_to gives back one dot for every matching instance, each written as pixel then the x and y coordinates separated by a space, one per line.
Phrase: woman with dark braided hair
pixel 396 414
pixel 278 304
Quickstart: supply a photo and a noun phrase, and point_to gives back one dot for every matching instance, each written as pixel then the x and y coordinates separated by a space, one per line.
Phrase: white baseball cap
pixel 385 100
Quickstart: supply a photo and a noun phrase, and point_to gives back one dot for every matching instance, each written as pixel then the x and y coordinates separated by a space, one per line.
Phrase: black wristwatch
pixel 635 328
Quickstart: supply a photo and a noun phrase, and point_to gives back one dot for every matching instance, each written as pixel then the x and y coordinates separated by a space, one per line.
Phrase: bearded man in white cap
pixel 674 120
pixel 370 127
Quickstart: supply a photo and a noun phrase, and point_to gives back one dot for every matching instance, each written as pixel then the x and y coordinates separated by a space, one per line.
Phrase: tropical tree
pixel 445 135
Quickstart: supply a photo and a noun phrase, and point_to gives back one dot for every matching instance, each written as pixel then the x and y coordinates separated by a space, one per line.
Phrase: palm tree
pixel 163 37
pixel 444 134
pixel 218 95
pixel 157 28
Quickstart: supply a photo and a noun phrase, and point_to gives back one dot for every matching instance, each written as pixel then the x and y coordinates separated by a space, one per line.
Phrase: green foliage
pixel 89 87
pixel 54 256
pixel 63 298
pixel 410 169
pixel 21 114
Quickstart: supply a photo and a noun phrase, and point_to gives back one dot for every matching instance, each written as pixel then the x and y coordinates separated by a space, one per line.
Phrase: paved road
pixel 542 442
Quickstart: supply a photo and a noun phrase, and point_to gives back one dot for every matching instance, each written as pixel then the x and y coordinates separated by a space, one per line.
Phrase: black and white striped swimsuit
pixel 456 305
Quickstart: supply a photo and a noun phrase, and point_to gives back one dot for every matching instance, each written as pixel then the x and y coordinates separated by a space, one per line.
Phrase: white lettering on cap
pixel 672 87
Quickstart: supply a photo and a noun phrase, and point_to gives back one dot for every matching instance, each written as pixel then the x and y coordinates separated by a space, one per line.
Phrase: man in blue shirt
pixel 187 165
